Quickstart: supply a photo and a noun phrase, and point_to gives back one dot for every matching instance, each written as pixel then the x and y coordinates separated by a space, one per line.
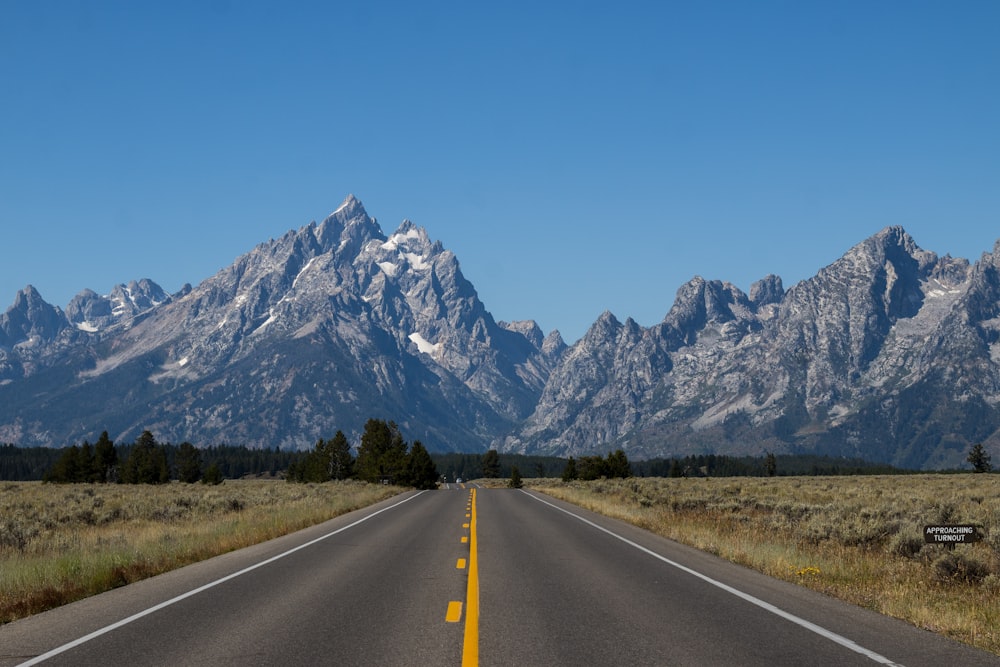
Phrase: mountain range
pixel 890 354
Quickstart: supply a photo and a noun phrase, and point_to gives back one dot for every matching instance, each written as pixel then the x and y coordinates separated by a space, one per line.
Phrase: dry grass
pixel 59 543
pixel 856 538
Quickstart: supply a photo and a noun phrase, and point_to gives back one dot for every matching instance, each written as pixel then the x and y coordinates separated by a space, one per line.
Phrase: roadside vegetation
pixel 113 514
pixel 858 538
pixel 62 542
pixel 107 515
pixel 383 458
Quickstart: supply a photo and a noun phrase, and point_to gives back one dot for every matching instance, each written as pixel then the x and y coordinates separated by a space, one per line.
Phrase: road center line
pixel 146 612
pixel 454 613
pixel 470 646
pixel 812 627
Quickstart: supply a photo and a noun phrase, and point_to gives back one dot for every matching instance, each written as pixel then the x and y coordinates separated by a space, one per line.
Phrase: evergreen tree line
pixel 329 459
pixel 24 464
pixel 143 462
pixel 615 464
pixel 38 463
pixel 384 457
pixel 769 465
pixel 471 466
pixel 105 461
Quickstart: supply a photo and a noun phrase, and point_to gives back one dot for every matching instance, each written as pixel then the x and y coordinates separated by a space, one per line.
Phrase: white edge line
pixel 819 630
pixel 183 596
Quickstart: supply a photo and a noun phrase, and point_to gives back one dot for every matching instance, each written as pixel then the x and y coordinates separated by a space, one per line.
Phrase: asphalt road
pixel 395 584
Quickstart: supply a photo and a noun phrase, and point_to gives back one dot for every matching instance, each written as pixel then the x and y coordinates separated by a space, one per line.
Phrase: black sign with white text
pixel 951 534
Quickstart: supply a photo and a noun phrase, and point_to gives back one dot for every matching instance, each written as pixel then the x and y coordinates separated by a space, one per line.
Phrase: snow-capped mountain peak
pixel 889 353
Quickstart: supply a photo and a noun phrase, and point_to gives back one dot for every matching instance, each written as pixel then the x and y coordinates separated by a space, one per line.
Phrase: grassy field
pixel 59 543
pixel 856 538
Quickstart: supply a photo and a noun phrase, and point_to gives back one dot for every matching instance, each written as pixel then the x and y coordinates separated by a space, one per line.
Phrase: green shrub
pixel 953 566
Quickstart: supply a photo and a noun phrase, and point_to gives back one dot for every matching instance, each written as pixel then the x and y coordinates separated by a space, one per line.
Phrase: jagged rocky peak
pixel 553 344
pixel 893 246
pixel 605 326
pixel 527 328
pixel 411 242
pixel 87 308
pixel 92 312
pixel 982 299
pixel 140 294
pixel 883 276
pixel 766 291
pixel 348 228
pixel 27 299
pixel 950 272
pixel 432 281
pixel 904 267
pixel 30 317
pixel 702 302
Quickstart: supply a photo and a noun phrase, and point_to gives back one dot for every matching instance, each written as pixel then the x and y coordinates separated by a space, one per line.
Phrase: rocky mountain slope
pixel 316 331
pixel 890 353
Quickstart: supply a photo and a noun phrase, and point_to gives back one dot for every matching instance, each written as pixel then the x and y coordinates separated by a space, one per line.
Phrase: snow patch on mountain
pixel 272 317
pixel 417 262
pixel 401 238
pixel 424 345
pixel 304 269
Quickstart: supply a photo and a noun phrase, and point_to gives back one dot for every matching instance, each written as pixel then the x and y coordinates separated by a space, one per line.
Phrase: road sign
pixel 952 534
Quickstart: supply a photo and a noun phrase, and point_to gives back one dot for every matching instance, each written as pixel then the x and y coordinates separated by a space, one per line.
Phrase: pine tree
pixel 212 475
pixel 88 464
pixel 375 442
pixel 979 458
pixel 422 472
pixel 382 454
pixel 341 460
pixel 315 466
pixel 66 469
pixel 592 467
pixel 569 472
pixel 188 463
pixel 617 465
pixel 146 463
pixel 106 458
pixel 770 464
pixel 491 464
pixel 515 479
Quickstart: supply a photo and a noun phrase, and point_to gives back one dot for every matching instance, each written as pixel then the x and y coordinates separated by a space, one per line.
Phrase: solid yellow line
pixel 470 649
pixel 454 614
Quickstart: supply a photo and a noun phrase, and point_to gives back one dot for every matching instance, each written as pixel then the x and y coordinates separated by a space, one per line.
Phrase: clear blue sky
pixel 576 156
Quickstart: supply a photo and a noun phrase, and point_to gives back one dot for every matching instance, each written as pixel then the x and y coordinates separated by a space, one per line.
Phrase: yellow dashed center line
pixel 470 644
pixel 470 648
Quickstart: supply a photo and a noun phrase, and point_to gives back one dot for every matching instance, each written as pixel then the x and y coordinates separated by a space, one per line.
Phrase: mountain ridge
pixel 890 353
